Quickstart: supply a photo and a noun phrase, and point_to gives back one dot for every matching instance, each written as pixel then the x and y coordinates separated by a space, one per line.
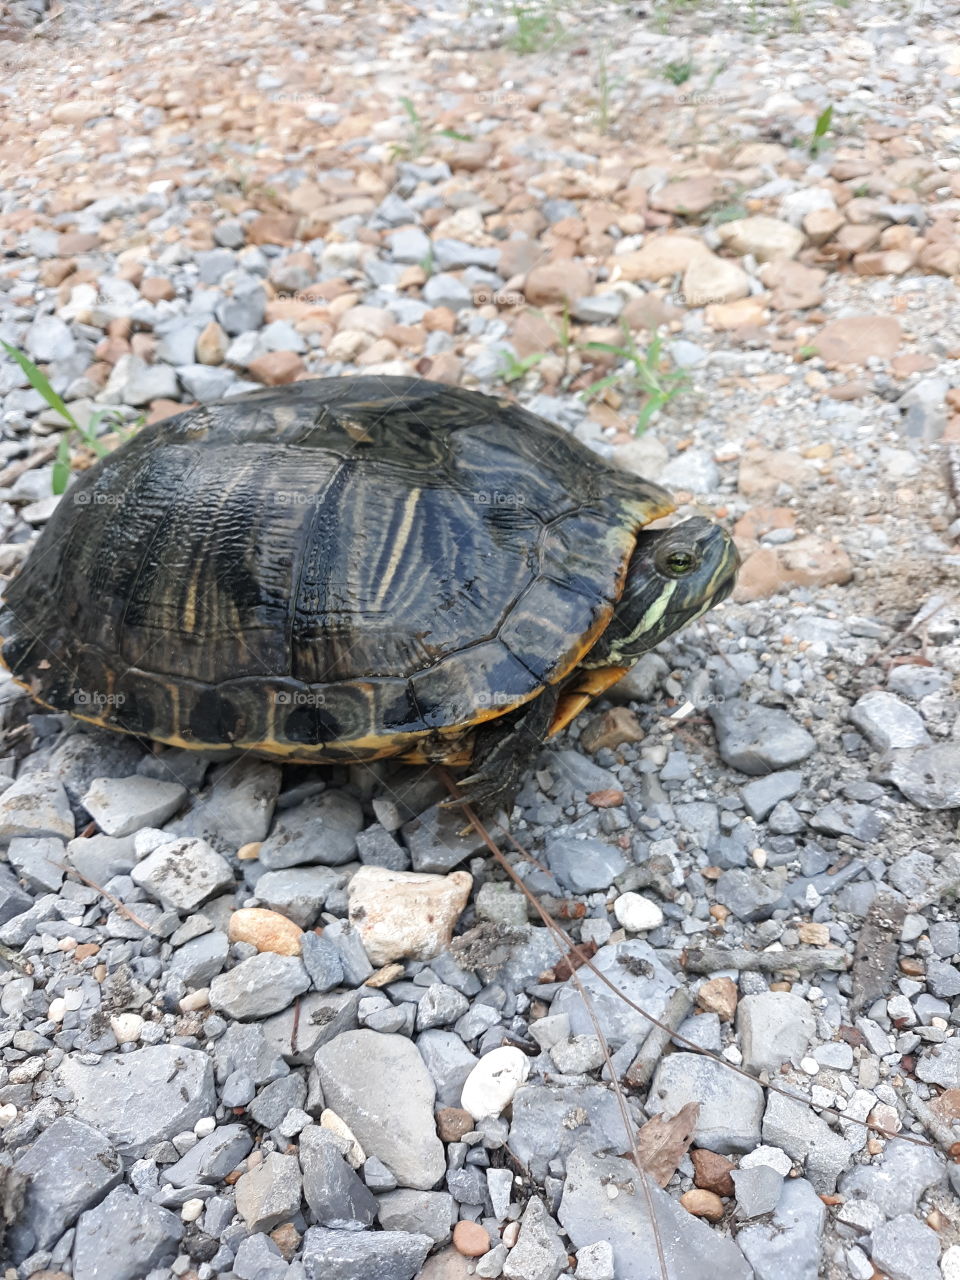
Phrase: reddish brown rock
pixel 754 523
pixel 808 562
pixel 557 282
pixel 272 228
pixel 795 287
pixel 719 996
pixel 610 729
pixel 854 339
pixel 711 1171
pixel 703 1204
pixel 470 1239
pixel 532 332
pixel 77 242
pixel 276 368
pixel 661 256
pixel 453 1123
pixel 689 196
pixel 762 471
pixel 157 289
pixel 212 344
pixel 822 225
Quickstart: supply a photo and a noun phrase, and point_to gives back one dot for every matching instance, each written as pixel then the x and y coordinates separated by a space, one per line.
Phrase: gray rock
pixel 363 1255
pixel 940 1064
pixel 409 245
pixel 238 1089
pixel 49 339
pixel 198 961
pixel 322 1017
pixel 323 829
pixel 443 290
pixel 183 874
pixel 898 1181
pixel 35 805
pixel 175 764
pixel 121 806
pixel 590 1212
pixel 636 969
pixel 694 470
pixel 236 808
pixel 258 1258
pixel 205 382
pixel 435 842
pixel 396 1124
pixel 334 1192
pixel 70 1167
pixel 758 1190
pixel 549 1120
pixel 277 1098
pixel 596 1262
pixel 837 1054
pixel 38 861
pixel 943 980
pixel 100 858
pixel 452 255
pixel 791 1125
pixel 538 1253
pixel 377 1176
pixel 449 1062
pixel 789 1244
pixel 356 964
pixel 132 381
pixel 243 311
pixel 138 1099
pixel 429 1213
pixel 124 1238
pixel 376 847
pixel 848 818
pixel 575 771
pixel 762 796
pixel 583 866
pixel 269 1193
pixel 299 892
pixel 321 959
pixel 13 900
pixel 905 1249
pixel 731 1106
pixel 774 1027
pixel 213 264
pixel 751 895
pixel 928 776
pixel 887 722
pixel 439 1006
pixel 259 986
pixel 16 930
pixel 213 1157
pixel 757 739
pixel 599 308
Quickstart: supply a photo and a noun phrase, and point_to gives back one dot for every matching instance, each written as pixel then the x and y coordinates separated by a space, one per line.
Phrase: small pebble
pixel 470 1239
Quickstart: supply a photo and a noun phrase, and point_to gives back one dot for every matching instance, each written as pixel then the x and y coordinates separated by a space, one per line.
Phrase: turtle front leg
pixel 503 751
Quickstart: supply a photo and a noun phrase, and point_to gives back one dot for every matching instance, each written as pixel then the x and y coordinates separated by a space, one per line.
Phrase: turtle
pixel 349 569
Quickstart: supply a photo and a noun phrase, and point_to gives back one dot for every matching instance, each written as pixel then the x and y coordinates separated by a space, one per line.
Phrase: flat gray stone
pixel 940 1064
pixel 429 1213
pixel 322 961
pixel 199 961
pixel 183 874
pixel 731 1107
pixel 299 892
pixel 538 1253
pixel 773 1027
pixel 138 1099
pixel 897 1181
pixel 790 1243
pixel 757 739
pixel 212 1158
pixel 791 1125
pixel 36 805
pixel 435 842
pixel 757 1189
pixel 449 1062
pixel 101 857
pixel 236 808
pixel 636 969
pixel 395 1124
pixel 322 829
pixel 323 1016
pixel 259 986
pixel 70 1167
pixel 928 776
pixel 586 865
pixel 590 1212
pixel 336 1195
pixel 751 894
pixel 906 1249
pixel 762 796
pixel 277 1098
pixel 39 861
pixel 887 722
pixel 549 1120
pixel 363 1255
pixel 121 806
pixel 269 1193
pixel 49 339
pixel 124 1238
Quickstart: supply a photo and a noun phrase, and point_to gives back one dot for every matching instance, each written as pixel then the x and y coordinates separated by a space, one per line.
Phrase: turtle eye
pixel 678 563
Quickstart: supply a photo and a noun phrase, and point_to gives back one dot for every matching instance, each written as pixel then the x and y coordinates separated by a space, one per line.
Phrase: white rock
pixel 771 1156
pixel 711 279
pixel 636 913
pixel 8 1113
pixel 950 1263
pixel 126 1027
pixel 205 1126
pixel 57 1009
pixel 354 1154
pixel 766 238
pixel 490 1086
pixel 406 914
pixel 191 1209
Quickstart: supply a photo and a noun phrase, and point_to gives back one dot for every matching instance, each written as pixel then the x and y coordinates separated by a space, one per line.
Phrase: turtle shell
pixel 333 570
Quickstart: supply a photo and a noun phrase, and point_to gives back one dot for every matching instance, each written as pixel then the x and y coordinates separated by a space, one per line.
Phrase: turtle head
pixel 674 576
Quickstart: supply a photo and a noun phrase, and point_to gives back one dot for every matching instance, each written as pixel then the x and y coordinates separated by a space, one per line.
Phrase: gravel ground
pixel 216 1059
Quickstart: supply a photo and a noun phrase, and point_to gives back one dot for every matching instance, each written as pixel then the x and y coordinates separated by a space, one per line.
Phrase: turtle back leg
pixel 503 751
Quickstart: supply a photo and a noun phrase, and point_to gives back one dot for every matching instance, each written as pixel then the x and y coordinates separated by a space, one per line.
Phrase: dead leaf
pixel 662 1144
